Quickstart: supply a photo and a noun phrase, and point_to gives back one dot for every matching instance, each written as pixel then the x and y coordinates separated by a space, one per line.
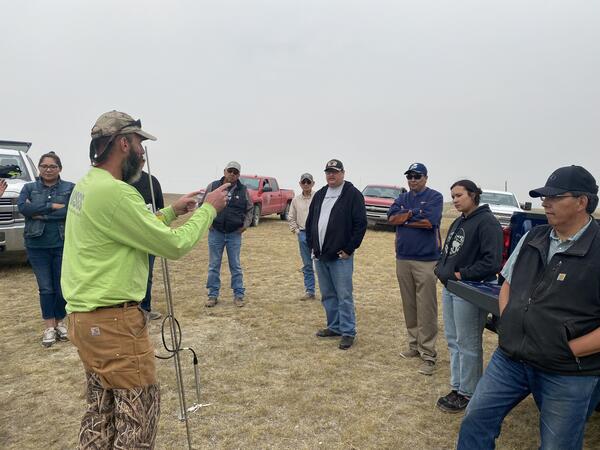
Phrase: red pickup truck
pixel 267 197
pixel 378 199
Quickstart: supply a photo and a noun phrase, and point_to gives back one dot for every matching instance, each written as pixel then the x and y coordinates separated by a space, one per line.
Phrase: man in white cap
pixel 226 233
pixel 108 235
pixel 297 221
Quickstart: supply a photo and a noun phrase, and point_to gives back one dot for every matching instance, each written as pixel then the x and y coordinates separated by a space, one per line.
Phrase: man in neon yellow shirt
pixel 109 234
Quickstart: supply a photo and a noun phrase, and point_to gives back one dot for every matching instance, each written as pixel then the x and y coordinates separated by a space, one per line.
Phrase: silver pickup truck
pixel 14 153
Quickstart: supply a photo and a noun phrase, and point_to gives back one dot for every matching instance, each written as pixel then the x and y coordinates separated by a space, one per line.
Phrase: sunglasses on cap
pixel 414 176
pixel 306 181
pixel 233 171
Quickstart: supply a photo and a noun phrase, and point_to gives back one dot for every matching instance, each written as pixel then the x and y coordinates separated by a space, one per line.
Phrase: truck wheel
pixel 255 216
pixel 286 211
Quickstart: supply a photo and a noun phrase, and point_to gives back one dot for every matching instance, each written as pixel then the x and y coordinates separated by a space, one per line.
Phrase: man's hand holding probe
pixel 187 203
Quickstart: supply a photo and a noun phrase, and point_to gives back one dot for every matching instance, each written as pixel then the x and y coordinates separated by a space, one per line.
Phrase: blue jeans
pixel 335 282
pixel 565 402
pixel 218 241
pixel 307 264
pixel 463 324
pixel 147 302
pixel 46 264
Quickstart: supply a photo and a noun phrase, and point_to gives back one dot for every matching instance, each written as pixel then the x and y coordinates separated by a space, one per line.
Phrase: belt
pixel 120 305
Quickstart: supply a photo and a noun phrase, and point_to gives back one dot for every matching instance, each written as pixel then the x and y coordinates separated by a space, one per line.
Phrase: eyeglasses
pixel 233 171
pixel 414 176
pixel 48 166
pixel 553 198
pixel 306 181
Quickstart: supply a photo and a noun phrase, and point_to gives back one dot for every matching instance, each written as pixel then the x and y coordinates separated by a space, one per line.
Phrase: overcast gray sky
pixel 494 91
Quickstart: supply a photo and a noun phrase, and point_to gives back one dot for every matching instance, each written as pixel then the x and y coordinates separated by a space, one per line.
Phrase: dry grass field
pixel 268 382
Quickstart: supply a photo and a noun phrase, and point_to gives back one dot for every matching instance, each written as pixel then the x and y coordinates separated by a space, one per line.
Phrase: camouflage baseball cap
pixel 115 122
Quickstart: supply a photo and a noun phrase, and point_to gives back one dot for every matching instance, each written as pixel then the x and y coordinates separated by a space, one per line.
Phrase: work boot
pixel 212 301
pixel 453 403
pixel 326 332
pixel 49 337
pixel 238 301
pixel 308 296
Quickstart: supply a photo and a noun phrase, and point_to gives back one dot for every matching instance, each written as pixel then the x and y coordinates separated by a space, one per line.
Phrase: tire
pixel 255 216
pixel 285 213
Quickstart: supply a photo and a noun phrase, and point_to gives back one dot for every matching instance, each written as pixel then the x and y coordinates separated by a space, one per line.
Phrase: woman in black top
pixel 472 252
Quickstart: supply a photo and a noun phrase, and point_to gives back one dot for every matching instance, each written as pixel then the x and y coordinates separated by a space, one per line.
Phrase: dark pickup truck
pixel 485 295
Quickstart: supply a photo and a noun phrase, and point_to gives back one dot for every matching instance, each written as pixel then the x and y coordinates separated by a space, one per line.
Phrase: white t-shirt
pixel 331 197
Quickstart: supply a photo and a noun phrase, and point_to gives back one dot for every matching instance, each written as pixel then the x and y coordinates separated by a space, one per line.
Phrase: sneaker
pixel 61 331
pixel 49 337
pixel 346 342
pixel 326 332
pixel 308 296
pixel 427 368
pixel 454 405
pixel 448 398
pixel 410 353
pixel 238 301
pixel 212 301
pixel 154 315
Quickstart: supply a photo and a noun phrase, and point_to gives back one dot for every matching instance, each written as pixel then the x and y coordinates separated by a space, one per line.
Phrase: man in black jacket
pixel 335 227
pixel 226 232
pixel 549 330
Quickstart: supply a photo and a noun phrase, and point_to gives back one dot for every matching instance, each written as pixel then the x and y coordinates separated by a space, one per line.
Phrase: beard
pixel 132 167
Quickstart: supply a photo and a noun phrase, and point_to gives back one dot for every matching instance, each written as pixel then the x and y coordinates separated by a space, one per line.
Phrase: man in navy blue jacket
pixel 417 215
pixel 335 227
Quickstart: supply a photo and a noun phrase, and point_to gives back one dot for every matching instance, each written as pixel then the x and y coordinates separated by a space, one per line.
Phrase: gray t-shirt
pixel 556 246
pixel 331 197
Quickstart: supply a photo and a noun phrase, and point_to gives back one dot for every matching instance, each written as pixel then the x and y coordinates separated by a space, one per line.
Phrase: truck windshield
pixel 381 192
pixel 250 183
pixel 7 164
pixel 498 198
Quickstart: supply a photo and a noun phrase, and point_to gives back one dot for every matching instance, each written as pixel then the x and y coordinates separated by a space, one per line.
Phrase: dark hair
pixel 98 147
pixel 473 190
pixel 52 155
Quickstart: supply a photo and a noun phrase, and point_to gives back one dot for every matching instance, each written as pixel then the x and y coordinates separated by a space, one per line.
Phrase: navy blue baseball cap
pixel 567 179
pixel 417 168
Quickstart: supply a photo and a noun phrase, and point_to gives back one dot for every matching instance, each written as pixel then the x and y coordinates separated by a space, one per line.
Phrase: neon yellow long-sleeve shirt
pixel 109 233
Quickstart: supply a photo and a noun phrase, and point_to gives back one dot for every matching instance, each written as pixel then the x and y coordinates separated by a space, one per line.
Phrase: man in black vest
pixel 226 232
pixel 549 330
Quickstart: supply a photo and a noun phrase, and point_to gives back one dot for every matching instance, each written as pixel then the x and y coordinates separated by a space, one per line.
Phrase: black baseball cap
pixel 567 179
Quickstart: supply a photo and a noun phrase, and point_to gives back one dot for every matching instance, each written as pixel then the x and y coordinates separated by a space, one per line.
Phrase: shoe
pixel 61 331
pixel 454 404
pixel 212 301
pixel 410 353
pixel 154 315
pixel 448 398
pixel 49 337
pixel 427 368
pixel 346 342
pixel 308 296
pixel 238 301
pixel 326 332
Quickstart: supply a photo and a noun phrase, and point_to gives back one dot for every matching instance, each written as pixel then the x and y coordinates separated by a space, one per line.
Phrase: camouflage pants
pixel 123 419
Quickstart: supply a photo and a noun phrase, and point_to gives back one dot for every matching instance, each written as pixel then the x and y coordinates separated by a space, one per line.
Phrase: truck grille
pixel 7 210
pixel 379 210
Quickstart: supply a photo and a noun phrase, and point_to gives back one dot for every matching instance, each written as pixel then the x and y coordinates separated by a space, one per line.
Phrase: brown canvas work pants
pixel 123 396
pixel 419 301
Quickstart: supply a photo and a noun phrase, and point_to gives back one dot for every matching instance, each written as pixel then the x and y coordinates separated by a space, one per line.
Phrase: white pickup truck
pixel 14 153
pixel 503 205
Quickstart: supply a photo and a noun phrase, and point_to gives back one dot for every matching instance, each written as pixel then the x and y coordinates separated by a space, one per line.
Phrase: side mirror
pixel 267 189
pixel 526 206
